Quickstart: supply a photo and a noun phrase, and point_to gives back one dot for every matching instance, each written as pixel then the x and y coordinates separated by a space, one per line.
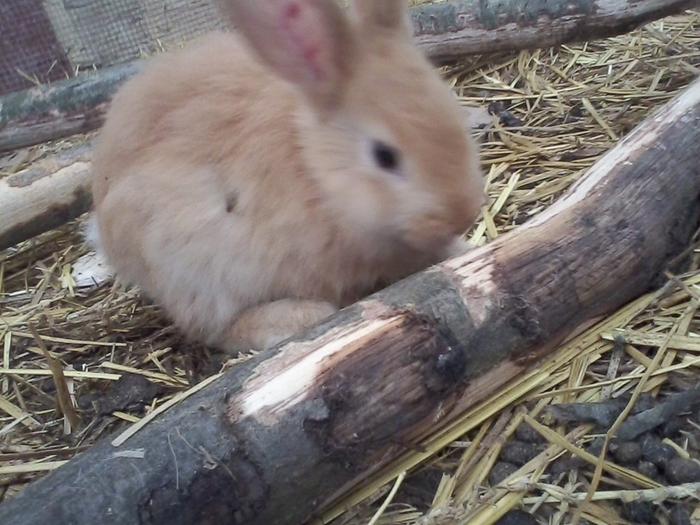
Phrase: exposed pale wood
pixel 278 438
pixel 44 196
pixel 445 30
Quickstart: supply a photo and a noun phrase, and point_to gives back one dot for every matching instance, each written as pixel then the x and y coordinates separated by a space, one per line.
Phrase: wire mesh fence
pixel 29 50
pixel 46 40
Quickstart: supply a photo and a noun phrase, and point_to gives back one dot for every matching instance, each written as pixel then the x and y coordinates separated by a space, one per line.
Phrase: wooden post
pixel 278 438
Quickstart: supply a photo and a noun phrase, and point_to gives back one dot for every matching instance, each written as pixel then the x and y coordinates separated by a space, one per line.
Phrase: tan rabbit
pixel 253 184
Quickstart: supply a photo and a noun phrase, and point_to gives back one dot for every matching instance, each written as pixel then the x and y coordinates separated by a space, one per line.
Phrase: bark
pixel 45 196
pixel 278 438
pixel 445 31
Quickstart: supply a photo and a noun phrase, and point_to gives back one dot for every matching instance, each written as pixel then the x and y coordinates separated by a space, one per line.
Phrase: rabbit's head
pixel 381 131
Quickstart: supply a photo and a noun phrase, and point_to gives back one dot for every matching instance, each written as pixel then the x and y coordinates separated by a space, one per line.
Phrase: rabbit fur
pixel 254 182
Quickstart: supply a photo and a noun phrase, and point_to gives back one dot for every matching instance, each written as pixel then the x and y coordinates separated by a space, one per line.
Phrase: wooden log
pixel 465 27
pixel 60 109
pixel 445 30
pixel 275 440
pixel 44 196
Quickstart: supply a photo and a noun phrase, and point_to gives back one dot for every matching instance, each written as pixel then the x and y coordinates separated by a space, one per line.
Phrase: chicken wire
pixel 29 50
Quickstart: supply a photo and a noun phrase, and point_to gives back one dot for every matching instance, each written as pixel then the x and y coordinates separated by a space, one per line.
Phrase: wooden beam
pixel 277 439
pixel 445 30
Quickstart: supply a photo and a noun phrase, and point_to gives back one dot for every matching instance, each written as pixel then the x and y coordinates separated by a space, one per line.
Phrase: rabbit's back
pixel 204 104
pixel 190 206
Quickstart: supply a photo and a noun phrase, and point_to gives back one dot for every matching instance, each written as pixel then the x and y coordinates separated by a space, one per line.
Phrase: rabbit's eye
pixel 386 157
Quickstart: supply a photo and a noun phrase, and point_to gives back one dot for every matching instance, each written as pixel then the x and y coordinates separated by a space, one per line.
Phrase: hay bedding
pixel 551 114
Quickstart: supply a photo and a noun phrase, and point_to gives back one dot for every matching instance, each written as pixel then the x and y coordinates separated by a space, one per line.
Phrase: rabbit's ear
pixel 308 42
pixel 383 14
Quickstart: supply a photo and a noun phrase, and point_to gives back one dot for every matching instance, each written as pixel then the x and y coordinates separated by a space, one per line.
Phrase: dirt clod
pixel 517 517
pixel 654 450
pixel 628 452
pixel 648 469
pixel 680 470
pixel 672 427
pixel 501 471
pixel 679 515
pixel 640 512
pixel 519 452
pixel 528 434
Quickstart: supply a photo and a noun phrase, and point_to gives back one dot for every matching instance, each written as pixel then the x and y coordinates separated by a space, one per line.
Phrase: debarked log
pixel 278 438
pixel 444 30
pixel 51 192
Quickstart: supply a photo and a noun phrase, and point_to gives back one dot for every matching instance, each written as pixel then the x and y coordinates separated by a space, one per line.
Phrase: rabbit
pixel 258 180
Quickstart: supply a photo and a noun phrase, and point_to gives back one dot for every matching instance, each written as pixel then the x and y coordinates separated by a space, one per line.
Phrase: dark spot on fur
pixel 231 202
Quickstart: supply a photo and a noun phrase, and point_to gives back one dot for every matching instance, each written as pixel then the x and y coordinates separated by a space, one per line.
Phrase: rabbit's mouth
pixel 431 236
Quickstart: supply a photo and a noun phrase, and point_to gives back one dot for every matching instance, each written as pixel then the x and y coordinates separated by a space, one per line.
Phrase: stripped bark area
pixel 280 437
pixel 445 31
pixel 44 196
